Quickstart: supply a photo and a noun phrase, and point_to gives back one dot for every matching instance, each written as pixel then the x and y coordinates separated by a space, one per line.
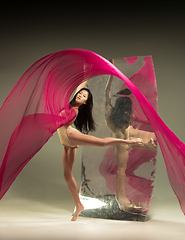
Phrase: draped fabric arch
pixel 31 114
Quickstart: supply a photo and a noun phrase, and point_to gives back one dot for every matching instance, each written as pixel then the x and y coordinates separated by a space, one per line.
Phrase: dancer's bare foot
pixel 122 201
pixel 79 209
pixel 130 207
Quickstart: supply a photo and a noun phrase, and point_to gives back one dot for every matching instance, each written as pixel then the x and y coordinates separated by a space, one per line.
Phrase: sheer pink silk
pixel 32 113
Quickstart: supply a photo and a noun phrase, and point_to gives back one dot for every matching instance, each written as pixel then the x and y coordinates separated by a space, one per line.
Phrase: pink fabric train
pixel 30 114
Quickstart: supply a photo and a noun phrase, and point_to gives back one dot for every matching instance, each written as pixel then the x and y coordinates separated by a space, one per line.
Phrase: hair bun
pixel 125 91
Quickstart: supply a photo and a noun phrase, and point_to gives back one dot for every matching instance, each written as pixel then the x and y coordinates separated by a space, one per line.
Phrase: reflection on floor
pixel 28 219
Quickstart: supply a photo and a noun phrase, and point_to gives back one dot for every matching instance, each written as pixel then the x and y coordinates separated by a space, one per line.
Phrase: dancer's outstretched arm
pixel 108 90
pixel 78 138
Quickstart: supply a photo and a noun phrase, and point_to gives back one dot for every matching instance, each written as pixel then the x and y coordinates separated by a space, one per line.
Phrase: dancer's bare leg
pixel 121 196
pixel 78 138
pixel 122 158
pixel 147 137
pixel 68 161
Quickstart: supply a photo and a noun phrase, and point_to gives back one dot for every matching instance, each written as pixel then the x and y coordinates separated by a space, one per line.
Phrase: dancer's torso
pixel 64 132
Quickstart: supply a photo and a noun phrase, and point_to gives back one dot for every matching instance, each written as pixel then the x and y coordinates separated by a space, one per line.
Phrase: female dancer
pixel 82 103
pixel 118 119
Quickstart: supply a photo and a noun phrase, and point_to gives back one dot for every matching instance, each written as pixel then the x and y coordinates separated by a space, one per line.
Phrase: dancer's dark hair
pixel 125 91
pixel 122 110
pixel 84 121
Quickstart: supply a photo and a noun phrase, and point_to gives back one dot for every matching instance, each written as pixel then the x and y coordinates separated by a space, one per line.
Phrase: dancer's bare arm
pixel 78 138
pixel 82 85
pixel 108 90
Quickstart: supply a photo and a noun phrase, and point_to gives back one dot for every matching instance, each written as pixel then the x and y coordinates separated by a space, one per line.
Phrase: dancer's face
pixel 82 97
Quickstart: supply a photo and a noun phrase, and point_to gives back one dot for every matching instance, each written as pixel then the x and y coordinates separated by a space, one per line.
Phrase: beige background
pixel 25 39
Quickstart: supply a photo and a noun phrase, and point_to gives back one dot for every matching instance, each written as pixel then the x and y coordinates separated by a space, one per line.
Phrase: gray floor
pixel 29 219
pixel 36 208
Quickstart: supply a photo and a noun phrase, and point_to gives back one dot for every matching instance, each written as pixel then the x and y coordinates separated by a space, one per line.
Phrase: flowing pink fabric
pixel 31 114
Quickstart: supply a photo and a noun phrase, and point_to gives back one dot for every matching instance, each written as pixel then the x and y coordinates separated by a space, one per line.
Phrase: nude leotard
pixel 64 133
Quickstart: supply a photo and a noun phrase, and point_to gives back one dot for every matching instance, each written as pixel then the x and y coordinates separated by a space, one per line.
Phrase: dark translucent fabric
pixel 32 113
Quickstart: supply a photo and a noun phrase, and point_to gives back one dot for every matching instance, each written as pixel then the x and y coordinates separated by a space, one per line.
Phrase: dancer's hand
pixel 151 144
pixel 111 60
